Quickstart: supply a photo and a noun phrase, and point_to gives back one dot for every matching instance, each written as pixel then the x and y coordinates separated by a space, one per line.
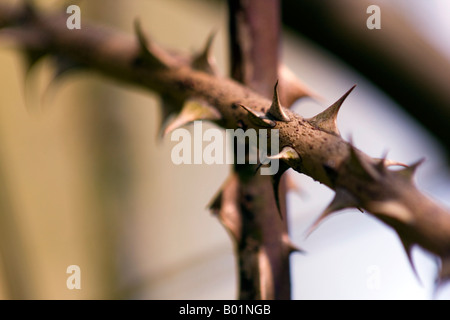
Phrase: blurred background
pixel 85 181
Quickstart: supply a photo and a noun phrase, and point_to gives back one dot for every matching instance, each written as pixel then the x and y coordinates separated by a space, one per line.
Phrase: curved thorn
pixel 193 110
pixel 287 154
pixel 383 163
pixel 226 206
pixel 146 53
pixel 291 247
pixel 204 61
pixel 391 163
pixel 31 59
pixel 360 165
pixel 169 107
pixel 142 39
pixel 327 120
pixel 276 110
pixel 409 171
pixel 260 164
pixel 290 159
pixel 208 44
pixel 30 7
pixel 164 120
pixel 63 67
pixel 342 200
pixel 258 118
pixel 407 245
pixel 276 179
pixel 444 272
pixel 216 203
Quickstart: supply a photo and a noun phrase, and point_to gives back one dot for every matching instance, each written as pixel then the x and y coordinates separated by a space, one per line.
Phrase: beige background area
pixel 84 181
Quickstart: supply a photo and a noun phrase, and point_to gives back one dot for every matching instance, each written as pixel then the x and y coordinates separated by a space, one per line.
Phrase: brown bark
pixel 264 271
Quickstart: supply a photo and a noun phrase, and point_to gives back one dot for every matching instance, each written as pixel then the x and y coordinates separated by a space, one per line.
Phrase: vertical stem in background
pixel 254 43
pixel 13 255
pixel 109 161
pixel 263 253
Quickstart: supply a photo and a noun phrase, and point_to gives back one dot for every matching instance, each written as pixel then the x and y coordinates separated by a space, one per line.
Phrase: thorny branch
pixel 310 146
